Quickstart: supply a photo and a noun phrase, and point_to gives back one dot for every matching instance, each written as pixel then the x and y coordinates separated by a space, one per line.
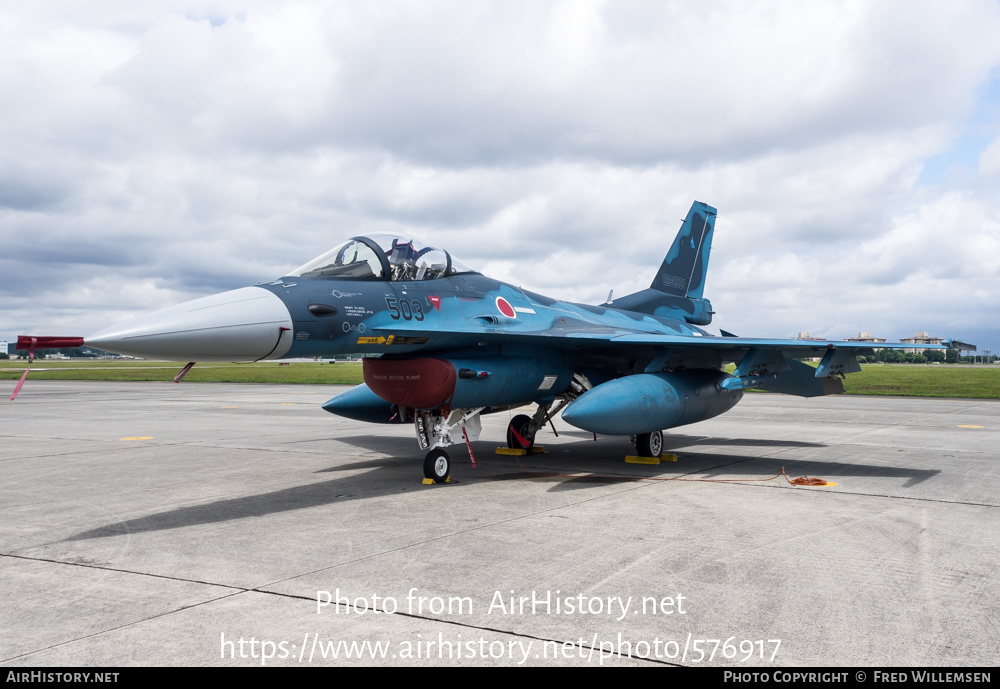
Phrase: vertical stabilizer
pixel 678 288
pixel 682 273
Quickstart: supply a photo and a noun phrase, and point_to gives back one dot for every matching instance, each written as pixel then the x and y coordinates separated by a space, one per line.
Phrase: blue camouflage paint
pixel 650 402
pixel 414 301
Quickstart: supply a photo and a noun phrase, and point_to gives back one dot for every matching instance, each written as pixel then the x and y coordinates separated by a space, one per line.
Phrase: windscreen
pixel 352 260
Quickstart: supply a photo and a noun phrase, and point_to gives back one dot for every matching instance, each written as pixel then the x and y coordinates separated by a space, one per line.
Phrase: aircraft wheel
pixel 437 466
pixel 649 444
pixel 520 424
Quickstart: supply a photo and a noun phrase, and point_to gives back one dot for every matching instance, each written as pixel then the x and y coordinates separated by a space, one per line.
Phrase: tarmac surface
pixel 198 524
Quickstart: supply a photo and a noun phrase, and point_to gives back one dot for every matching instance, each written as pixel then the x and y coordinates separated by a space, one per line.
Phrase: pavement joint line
pixel 727 464
pixel 23 401
pixel 120 570
pixel 973 402
pixel 202 444
pixel 640 480
pixel 235 590
pixel 45 456
pixel 964 451
pixel 120 626
pixel 837 492
pixel 466 625
pixel 238 590
pixel 761 484
pixel 912 420
pixel 819 489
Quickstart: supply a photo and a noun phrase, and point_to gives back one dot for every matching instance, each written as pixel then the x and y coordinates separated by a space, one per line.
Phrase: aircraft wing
pixel 774 359
pixel 802 348
pixel 600 338
pixel 770 363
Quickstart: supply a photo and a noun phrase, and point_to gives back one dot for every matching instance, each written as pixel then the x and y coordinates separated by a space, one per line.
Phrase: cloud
pixel 989 159
pixel 188 147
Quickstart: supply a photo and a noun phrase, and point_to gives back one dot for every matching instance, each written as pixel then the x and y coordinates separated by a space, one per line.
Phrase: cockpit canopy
pixel 383 257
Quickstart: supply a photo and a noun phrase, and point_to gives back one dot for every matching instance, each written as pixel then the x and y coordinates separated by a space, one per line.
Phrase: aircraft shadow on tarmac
pixel 675 440
pixel 392 475
pixel 395 446
pixel 751 469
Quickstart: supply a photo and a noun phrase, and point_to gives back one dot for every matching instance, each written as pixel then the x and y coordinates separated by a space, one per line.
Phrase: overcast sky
pixel 159 151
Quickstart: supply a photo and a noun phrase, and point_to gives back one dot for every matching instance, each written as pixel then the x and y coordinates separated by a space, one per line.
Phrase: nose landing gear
pixel 434 431
pixel 437 466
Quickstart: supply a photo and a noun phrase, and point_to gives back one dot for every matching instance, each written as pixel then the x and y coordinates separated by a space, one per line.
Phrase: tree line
pixel 928 356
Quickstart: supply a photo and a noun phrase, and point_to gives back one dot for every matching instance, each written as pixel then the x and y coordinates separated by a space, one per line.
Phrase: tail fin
pixel 682 272
pixel 678 288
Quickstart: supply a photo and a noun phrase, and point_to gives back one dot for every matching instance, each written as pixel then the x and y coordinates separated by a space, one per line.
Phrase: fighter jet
pixel 444 344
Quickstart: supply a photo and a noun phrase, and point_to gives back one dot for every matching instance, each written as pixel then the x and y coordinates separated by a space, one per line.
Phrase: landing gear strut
pixel 522 428
pixel 434 429
pixel 649 444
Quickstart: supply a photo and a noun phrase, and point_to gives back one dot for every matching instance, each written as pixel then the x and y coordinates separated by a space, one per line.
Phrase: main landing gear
pixel 649 444
pixel 520 433
pixel 522 428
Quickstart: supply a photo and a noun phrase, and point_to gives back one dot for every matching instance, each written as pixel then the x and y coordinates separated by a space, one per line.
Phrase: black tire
pixel 521 424
pixel 437 466
pixel 649 444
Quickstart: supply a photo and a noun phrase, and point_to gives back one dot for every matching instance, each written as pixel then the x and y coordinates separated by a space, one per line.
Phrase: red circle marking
pixel 504 307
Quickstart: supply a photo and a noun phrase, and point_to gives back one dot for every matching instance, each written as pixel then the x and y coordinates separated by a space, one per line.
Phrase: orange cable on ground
pixel 807 481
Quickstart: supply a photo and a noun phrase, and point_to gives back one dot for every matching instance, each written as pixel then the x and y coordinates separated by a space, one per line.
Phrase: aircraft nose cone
pixel 241 325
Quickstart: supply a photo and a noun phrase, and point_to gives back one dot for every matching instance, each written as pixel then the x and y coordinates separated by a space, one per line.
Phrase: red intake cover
pixel 412 383
pixel 24 341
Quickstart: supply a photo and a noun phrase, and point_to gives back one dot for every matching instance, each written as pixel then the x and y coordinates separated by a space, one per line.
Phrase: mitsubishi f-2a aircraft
pixel 446 344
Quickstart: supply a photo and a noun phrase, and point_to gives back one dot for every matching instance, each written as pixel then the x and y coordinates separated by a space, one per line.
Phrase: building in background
pixel 921 338
pixel 865 337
